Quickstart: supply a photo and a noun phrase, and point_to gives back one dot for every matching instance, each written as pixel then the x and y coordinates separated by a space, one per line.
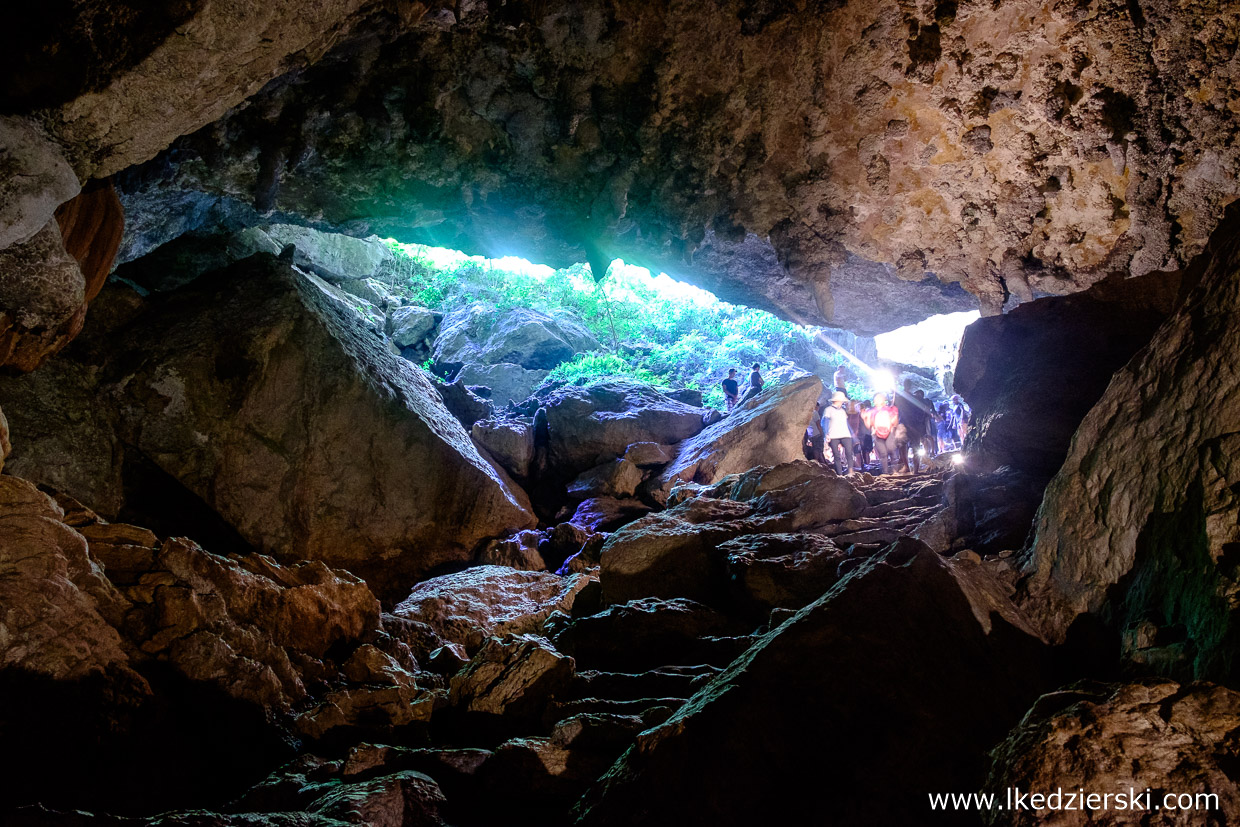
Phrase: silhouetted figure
pixel 755 384
pixel 882 421
pixel 731 390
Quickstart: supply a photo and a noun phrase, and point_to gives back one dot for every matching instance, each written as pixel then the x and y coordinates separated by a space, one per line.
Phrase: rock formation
pixel 1140 523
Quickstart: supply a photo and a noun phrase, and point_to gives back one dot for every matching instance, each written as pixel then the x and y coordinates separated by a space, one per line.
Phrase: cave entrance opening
pixel 511 326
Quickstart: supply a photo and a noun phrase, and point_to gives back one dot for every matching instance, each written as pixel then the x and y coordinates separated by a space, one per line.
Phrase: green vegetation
pixel 667 340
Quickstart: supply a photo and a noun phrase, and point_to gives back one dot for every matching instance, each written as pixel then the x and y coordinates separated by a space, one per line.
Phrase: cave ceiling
pixel 857 164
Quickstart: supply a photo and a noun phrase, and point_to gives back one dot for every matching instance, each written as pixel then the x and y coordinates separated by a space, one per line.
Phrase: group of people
pixel 732 391
pixel 898 435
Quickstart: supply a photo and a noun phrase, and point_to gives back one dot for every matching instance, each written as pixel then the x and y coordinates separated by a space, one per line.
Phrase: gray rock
pixel 469 606
pixel 533 340
pixel 766 430
pixel 509 441
pixel 508 382
pixel 649 454
pixel 618 478
pixel 411 326
pixel 333 256
pixel 35 179
pixel 598 422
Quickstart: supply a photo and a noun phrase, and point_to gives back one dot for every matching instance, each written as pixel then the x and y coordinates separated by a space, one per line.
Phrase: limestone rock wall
pixel 851 164
pixel 1140 524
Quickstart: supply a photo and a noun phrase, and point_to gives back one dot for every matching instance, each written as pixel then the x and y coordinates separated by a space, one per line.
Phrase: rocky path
pixel 493 695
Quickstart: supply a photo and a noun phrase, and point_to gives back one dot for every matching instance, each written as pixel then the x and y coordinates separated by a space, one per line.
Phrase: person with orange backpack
pixel 882 420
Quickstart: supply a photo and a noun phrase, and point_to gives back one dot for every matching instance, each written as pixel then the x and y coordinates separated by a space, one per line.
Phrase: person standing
pixel 755 384
pixel 911 430
pixel 960 417
pixel 841 378
pixel 882 420
pixel 814 435
pixel 838 434
pixel 731 390
pixel 863 440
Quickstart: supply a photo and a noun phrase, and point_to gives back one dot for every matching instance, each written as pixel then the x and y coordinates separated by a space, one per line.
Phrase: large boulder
pixel 412 326
pixel 596 423
pixel 1031 375
pixel 509 441
pixel 35 179
pixel 508 382
pixel 331 256
pixel 1139 525
pixel 766 430
pixel 511 677
pixel 471 605
pixel 519 336
pixel 877 680
pixel 1158 744
pixel 259 394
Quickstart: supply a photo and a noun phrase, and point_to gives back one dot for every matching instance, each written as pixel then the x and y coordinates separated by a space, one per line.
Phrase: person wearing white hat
pixel 839 437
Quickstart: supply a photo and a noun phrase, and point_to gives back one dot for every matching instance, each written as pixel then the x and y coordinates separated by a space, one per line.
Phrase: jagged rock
pixel 238 622
pixel 511 677
pixel 508 382
pixel 519 551
pixel 558 768
pixel 464 404
pixel 766 430
pixel 389 801
pixel 469 606
pixel 55 603
pixel 380 710
pixel 618 479
pixel 1031 375
pixel 679 552
pixel 1151 738
pixel 35 179
pixel 519 336
pixel 689 396
pixel 412 326
pixel 851 690
pixel 65 434
pixel 607 513
pixel 321 415
pixel 786 571
pixel 598 422
pixel 908 215
pixel 672 553
pixel 509 441
pixel 649 454
pixel 1139 524
pixel 649 633
pixel 565 540
pixel 41 289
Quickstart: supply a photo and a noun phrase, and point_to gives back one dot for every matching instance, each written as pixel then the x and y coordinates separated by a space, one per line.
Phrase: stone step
pixel 667 682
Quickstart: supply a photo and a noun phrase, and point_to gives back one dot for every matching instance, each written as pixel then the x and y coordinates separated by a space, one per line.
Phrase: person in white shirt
pixel 839 437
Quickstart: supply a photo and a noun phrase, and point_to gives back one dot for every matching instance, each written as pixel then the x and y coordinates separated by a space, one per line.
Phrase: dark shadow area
pixel 98 744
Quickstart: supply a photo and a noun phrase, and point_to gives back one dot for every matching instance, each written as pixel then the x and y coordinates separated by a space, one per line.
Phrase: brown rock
pixel 397 800
pixel 877 679
pixel 767 430
pixel 469 606
pixel 509 441
pixel 324 424
pixel 41 292
pixel 1140 523
pixel 649 454
pixel 618 479
pixel 513 677
pixel 519 551
pixel 1155 736
pixel 54 600
pixel 6 447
